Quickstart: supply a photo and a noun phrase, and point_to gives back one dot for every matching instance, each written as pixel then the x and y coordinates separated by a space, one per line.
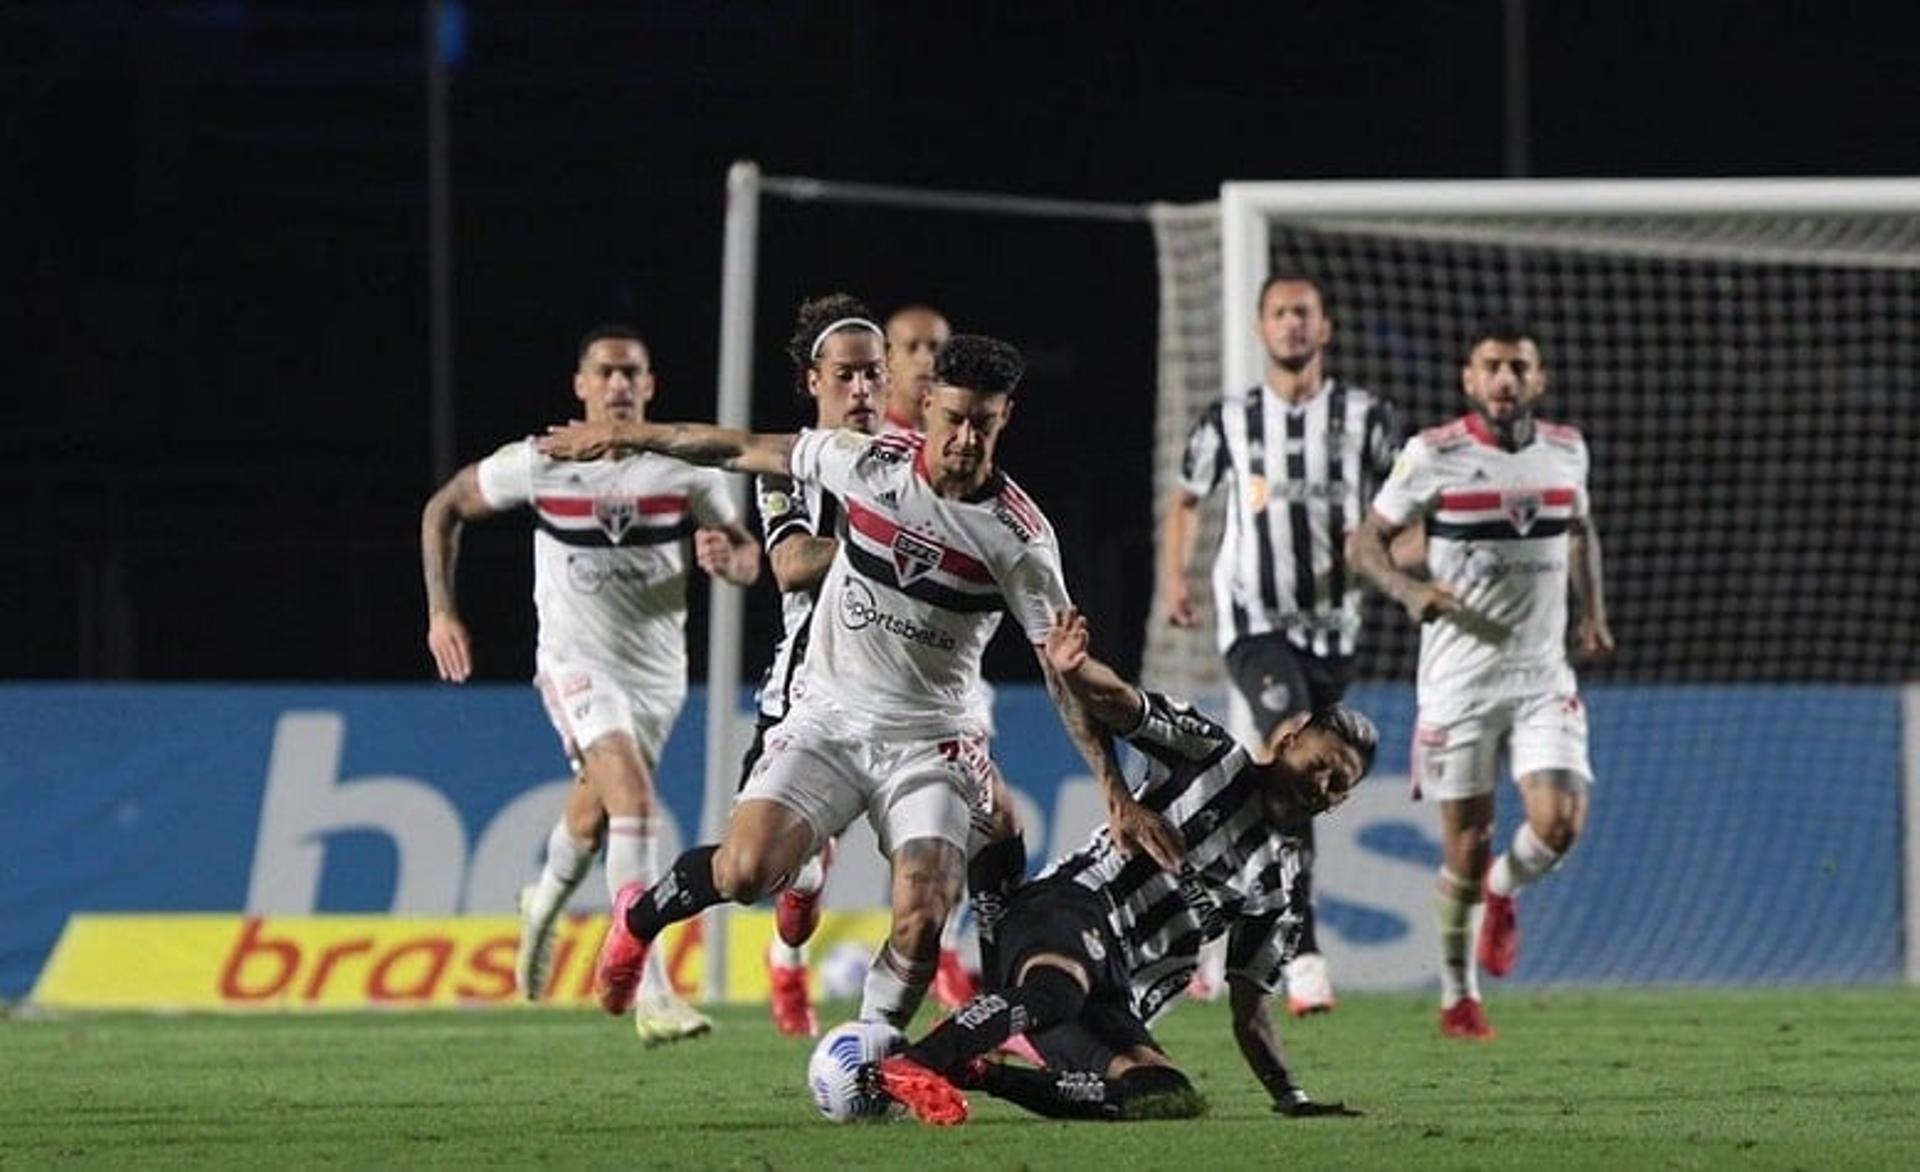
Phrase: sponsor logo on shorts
pixel 1090 940
pixel 859 610
pixel 1274 695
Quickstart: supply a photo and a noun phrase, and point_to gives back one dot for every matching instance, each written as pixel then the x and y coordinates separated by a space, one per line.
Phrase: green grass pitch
pixel 1807 1078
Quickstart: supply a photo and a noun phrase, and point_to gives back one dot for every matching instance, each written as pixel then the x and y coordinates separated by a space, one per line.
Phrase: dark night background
pixel 215 222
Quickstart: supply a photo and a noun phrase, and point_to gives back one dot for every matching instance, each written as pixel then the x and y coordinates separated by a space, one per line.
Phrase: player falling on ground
pixel 836 353
pixel 1300 454
pixel 1509 528
pixel 610 580
pixel 1099 944
pixel 939 543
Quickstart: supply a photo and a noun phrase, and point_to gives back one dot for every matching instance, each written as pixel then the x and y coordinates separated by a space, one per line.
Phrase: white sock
pixel 811 877
pixel 1527 859
pixel 633 848
pixel 568 861
pixel 895 987
pixel 782 955
pixel 1457 909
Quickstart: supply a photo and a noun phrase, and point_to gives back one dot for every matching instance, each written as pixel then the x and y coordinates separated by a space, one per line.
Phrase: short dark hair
pixel 611 332
pixel 1289 277
pixel 1510 330
pixel 1350 726
pixel 816 314
pixel 979 363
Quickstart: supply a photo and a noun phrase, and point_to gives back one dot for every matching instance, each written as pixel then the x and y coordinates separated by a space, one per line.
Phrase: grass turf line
pixel 1689 1079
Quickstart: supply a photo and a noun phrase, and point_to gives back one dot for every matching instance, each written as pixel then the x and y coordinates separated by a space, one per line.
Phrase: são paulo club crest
pixel 1522 509
pixel 913 557
pixel 615 515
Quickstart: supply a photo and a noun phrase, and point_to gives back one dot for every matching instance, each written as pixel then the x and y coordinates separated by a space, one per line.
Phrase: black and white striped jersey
pixel 1240 876
pixel 789 508
pixel 1298 477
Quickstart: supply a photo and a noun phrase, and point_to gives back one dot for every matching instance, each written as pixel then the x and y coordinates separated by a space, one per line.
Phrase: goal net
pixel 1744 358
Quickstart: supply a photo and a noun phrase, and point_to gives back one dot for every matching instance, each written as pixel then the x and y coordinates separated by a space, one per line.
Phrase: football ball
pixel 833 1073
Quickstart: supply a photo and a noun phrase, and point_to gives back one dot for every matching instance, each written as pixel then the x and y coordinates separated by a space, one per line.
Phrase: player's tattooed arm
pixel 1594 636
pixel 800 562
pixel 1370 553
pixel 697 443
pixel 1092 700
pixel 1253 1032
pixel 458 501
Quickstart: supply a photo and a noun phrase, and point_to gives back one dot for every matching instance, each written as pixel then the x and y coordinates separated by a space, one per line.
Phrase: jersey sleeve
pixel 1171 727
pixel 1205 460
pixel 1035 590
pixel 782 508
pixel 711 503
pixel 506 477
pixel 1259 947
pixel 1411 487
pixel 1582 502
pixel 828 458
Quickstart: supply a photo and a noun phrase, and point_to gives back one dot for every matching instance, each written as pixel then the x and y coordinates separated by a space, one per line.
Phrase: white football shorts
pixel 1457 746
pixel 829 772
pixel 586 700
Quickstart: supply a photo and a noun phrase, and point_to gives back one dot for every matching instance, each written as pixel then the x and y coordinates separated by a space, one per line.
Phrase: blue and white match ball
pixel 833 1073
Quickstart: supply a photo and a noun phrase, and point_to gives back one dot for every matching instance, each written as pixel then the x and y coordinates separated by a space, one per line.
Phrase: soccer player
pixel 1300 455
pixel 1504 497
pixel 915 334
pixel 836 352
pixel 610 580
pixel 1099 944
pixel 939 542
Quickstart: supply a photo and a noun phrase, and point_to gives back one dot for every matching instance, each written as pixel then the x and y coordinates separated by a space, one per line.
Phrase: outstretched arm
pixel 1594 635
pixel 1093 700
pixel 458 501
pixel 1260 1046
pixel 696 443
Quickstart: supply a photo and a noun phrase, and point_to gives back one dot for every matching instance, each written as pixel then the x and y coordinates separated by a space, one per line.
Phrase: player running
pixel 610 580
pixel 1509 528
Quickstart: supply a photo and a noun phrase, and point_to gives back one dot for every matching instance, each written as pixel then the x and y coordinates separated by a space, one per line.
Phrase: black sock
pixel 1309 928
pixel 683 892
pixel 991 878
pixel 1144 1092
pixel 1047 997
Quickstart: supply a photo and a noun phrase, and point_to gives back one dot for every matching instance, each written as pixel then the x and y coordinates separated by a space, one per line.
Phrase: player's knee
pixel 744 872
pixel 1559 834
pixel 1052 995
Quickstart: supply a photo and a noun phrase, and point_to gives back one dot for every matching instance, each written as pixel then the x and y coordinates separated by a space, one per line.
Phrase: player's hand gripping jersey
pixel 1497 524
pixel 1239 876
pixel 918 586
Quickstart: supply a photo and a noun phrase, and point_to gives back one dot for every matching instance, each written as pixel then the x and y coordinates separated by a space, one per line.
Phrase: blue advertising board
pixel 1739 834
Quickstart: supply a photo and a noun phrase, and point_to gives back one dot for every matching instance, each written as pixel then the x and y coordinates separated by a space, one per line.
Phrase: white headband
pixel 820 339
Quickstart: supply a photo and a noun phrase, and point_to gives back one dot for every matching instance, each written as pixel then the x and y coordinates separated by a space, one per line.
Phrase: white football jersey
pixel 1497 524
pixel 918 586
pixel 610 551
